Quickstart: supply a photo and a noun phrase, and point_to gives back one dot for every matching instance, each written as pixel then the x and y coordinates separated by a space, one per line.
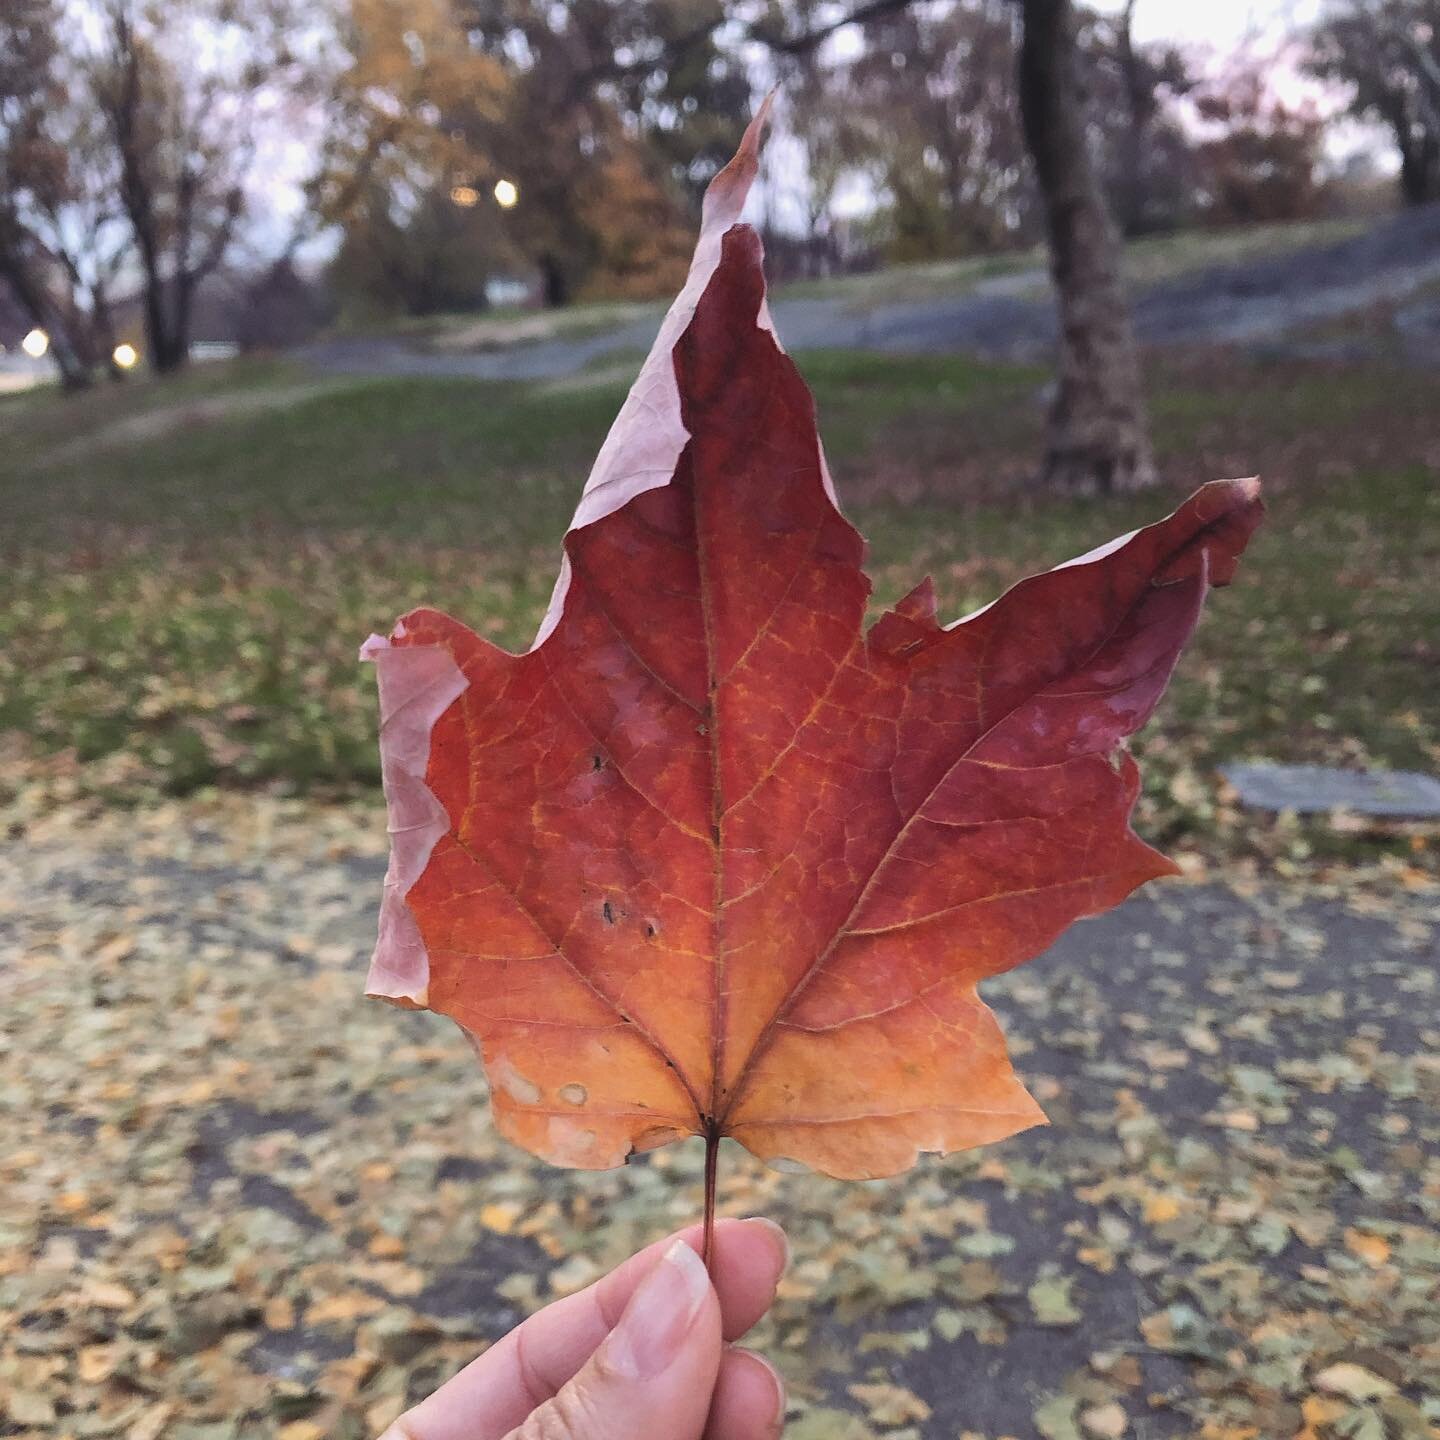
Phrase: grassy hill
pixel 187 569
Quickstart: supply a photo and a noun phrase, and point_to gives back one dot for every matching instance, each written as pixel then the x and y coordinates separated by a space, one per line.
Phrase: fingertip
pixel 749 1400
pixel 778 1238
pixel 749 1259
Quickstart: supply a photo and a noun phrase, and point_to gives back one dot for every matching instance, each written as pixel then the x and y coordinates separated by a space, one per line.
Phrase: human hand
pixel 642 1352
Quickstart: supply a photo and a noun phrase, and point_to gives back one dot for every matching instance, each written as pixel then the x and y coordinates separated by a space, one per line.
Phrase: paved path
pixel 245 1196
pixel 1261 302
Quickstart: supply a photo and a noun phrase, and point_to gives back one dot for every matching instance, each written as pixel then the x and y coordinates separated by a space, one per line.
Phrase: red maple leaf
pixel 711 859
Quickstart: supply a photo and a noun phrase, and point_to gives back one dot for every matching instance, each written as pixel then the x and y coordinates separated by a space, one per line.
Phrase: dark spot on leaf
pixel 597 762
pixel 608 911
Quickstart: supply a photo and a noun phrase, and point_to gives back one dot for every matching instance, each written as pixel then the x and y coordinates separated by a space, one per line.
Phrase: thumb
pixel 654 1373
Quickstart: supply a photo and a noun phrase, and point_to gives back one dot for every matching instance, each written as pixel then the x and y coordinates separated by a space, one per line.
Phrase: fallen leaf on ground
pixel 890 1404
pixel 1105 1422
pixel 1352 1381
pixel 1050 1301
pixel 1374 1250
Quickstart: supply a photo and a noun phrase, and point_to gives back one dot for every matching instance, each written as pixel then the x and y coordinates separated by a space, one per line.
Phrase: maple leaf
pixel 709 858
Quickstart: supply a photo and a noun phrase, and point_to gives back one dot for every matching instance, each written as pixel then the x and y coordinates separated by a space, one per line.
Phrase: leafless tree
pixel 62 242
pixel 184 88
pixel 1388 53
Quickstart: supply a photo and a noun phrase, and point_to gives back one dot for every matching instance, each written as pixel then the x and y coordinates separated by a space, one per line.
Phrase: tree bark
pixel 1419 169
pixel 1139 101
pixel 554 284
pixel 1097 438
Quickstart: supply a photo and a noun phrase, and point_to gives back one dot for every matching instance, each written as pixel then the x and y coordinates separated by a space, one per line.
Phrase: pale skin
pixel 647 1351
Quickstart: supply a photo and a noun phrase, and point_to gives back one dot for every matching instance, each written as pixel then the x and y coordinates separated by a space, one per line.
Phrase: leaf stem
pixel 712 1155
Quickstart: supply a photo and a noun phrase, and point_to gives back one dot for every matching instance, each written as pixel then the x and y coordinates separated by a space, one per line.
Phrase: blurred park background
pixel 313 313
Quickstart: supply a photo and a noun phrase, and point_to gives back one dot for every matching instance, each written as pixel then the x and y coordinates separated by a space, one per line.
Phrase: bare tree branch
pixel 861 15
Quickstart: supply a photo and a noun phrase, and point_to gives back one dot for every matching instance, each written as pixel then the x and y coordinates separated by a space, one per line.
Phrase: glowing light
pixel 35 344
pixel 125 356
pixel 507 192
pixel 465 196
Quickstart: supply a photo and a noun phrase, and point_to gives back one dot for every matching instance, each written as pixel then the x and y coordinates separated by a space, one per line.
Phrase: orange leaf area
pixel 713 859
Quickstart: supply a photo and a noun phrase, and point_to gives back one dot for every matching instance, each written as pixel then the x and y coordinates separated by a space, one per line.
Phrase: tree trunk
pixel 1097 440
pixel 555 287
pixel 1138 101
pixel 1419 169
pixel 75 374
pixel 164 331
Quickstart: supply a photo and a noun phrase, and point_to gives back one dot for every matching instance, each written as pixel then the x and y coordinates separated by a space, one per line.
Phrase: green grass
pixel 181 601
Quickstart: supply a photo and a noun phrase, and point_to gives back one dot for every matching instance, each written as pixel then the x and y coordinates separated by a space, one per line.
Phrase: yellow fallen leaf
pixel 1372 1249
pixel 500 1217
pixel 342 1307
pixel 107 1295
pixel 300 1430
pixel 1321 1410
pixel 95 1363
pixel 1160 1209
pixel 386 1246
pixel 1097 1257
pixel 890 1404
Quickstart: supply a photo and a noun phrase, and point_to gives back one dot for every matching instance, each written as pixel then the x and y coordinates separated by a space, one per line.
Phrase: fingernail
pixel 777 1418
pixel 781 1237
pixel 659 1317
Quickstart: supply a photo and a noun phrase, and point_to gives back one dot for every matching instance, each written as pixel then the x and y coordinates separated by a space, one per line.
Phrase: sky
pixel 1216 30
pixel 1223 24
pixel 1211 32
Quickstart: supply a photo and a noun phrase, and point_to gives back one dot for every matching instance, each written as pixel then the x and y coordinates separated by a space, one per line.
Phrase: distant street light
pixel 465 196
pixel 507 192
pixel 35 344
pixel 125 356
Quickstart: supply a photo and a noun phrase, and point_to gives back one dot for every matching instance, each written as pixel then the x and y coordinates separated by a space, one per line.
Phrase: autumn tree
pixel 607 116
pixel 1147 158
pixel 1387 53
pixel 930 112
pixel 400 174
pixel 1262 159
pixel 620 112
pixel 184 89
